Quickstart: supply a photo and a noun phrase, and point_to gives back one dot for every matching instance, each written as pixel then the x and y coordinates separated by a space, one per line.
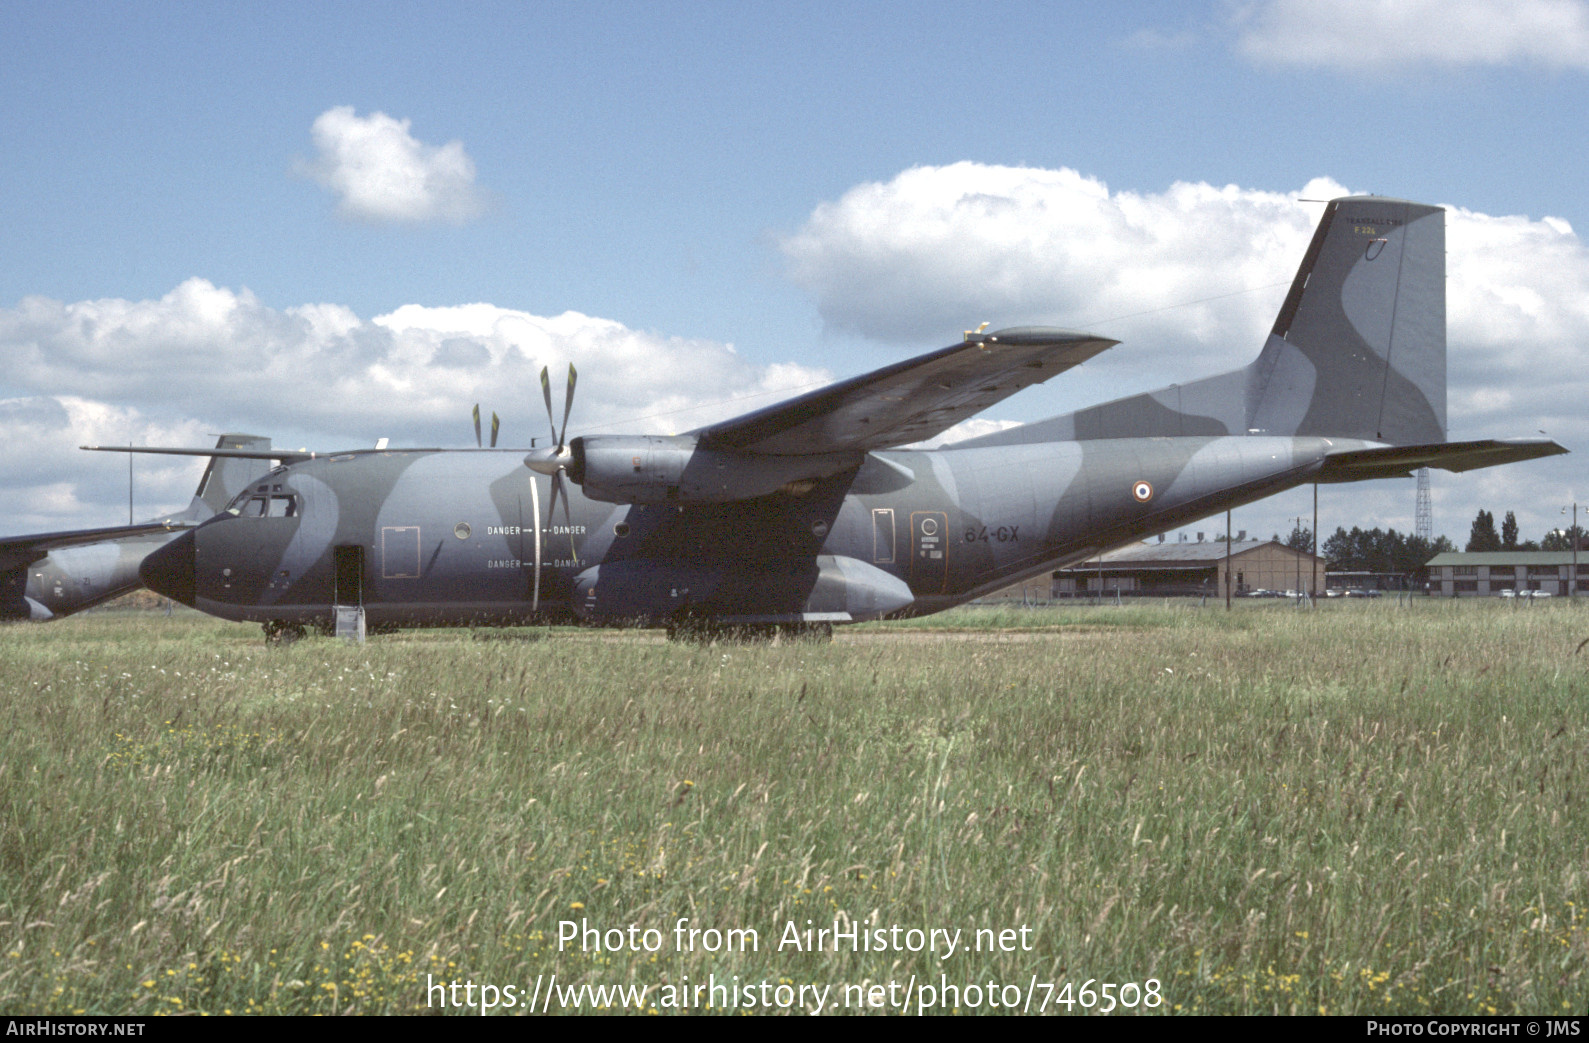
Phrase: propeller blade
pixel 477 426
pixel 568 405
pixel 568 519
pixel 546 392
pixel 496 425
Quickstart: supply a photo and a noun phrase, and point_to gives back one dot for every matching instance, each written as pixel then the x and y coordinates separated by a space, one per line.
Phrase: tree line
pixel 1381 550
pixel 1482 536
pixel 1376 550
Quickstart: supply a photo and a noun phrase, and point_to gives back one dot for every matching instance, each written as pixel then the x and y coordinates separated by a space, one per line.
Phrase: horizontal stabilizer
pixel 1355 465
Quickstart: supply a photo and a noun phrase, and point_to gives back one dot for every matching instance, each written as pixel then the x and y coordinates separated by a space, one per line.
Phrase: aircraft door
pixel 929 546
pixel 350 576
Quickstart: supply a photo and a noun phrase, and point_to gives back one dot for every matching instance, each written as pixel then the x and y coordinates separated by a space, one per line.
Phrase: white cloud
pixel 1386 36
pixel 381 173
pixel 205 359
pixel 940 249
pixel 973 427
pixel 49 484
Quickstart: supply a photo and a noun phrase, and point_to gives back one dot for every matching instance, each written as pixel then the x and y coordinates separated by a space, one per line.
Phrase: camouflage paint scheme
pixel 52 575
pixel 806 514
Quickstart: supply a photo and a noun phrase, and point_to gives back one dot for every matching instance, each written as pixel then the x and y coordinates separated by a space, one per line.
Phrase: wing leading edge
pixel 908 401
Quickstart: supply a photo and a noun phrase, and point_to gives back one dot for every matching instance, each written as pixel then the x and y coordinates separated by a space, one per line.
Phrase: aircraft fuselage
pixel 432 538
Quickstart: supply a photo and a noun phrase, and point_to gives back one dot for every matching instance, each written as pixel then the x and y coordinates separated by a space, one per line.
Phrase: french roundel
pixel 1143 491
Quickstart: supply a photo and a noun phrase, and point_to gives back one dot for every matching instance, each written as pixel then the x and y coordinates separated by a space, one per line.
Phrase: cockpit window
pixel 255 505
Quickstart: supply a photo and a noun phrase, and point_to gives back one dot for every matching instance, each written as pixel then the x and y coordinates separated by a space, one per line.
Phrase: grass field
pixel 1358 809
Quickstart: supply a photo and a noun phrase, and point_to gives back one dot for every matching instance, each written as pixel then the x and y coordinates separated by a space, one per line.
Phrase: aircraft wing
pixel 1399 461
pixel 24 550
pixel 285 456
pixel 908 401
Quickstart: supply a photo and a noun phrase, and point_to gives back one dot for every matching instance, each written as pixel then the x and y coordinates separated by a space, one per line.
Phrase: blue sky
pixel 270 217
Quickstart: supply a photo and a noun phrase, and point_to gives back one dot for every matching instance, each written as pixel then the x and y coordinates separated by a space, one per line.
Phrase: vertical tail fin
pixel 1359 347
pixel 226 476
pixel 1357 351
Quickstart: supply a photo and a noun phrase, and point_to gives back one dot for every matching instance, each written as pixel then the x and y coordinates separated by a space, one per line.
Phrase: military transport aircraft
pixel 807 513
pixel 54 574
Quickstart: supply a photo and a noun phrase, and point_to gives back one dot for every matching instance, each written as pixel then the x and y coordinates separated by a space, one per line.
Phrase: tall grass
pixel 1358 809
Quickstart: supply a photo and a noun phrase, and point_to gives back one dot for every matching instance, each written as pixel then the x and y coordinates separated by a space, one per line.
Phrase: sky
pixel 333 223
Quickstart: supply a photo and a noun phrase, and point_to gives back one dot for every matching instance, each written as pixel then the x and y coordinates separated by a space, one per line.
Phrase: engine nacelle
pixel 675 470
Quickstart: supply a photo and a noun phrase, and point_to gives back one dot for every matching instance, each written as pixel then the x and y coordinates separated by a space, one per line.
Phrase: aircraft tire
pixel 693 632
pixel 281 633
pixel 816 633
pixel 703 632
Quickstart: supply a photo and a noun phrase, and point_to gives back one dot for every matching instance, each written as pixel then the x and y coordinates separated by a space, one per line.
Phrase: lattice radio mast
pixel 1423 522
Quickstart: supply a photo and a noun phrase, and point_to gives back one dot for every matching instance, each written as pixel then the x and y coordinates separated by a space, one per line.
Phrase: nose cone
pixel 169 570
pixel 549 460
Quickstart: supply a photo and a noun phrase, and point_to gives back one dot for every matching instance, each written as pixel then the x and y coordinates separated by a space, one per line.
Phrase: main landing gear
pixel 282 633
pixel 705 632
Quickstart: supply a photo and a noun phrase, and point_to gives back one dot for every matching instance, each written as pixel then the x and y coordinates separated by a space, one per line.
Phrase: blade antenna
pixel 496 425
pixel 477 426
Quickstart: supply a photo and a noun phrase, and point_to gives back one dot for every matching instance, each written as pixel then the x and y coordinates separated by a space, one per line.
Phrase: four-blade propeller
pixel 554 459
